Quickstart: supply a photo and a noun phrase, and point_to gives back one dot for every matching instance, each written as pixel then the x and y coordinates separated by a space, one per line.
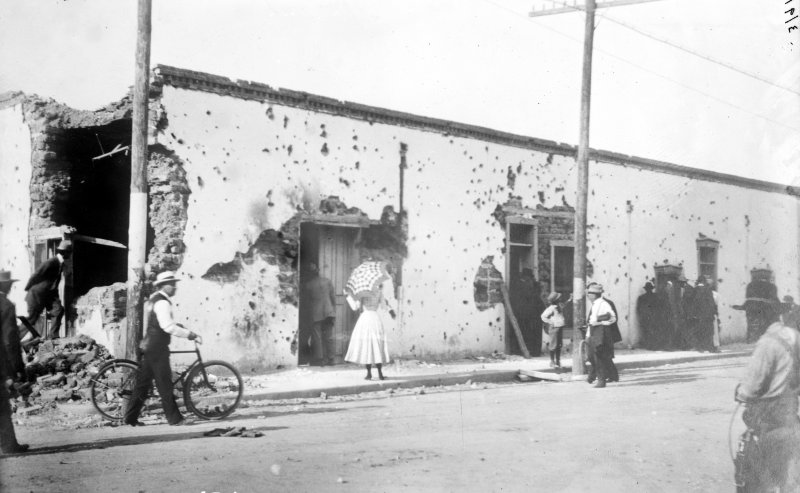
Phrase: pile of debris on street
pixel 59 370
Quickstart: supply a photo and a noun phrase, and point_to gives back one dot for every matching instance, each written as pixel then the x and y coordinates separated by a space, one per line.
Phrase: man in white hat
pixel 11 365
pixel 599 340
pixel 42 288
pixel 159 327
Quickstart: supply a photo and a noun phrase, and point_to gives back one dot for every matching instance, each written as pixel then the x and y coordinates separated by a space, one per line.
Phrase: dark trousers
pixel 774 459
pixel 154 366
pixel 603 367
pixel 51 302
pixel 322 340
pixel 8 439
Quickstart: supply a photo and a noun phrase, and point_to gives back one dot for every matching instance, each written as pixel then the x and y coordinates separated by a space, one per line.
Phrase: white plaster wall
pixel 15 202
pixel 251 165
pixel 669 213
pixel 452 187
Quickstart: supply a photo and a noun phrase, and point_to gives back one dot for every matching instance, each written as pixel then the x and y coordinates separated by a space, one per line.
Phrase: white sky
pixel 482 62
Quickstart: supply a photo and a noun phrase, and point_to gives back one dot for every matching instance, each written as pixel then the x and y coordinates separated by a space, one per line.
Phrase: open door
pixel 333 248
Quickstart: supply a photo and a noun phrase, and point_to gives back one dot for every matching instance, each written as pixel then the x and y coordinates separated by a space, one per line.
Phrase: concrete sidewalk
pixel 309 382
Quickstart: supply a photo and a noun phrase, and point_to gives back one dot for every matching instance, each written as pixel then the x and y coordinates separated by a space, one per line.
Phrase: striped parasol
pixel 366 277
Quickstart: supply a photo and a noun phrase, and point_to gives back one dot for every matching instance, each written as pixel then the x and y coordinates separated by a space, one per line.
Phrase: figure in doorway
pixel 321 306
pixel 651 313
pixel 701 310
pixel 526 301
pixel 42 288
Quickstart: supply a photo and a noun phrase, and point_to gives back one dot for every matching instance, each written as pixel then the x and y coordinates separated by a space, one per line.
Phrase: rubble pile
pixel 62 369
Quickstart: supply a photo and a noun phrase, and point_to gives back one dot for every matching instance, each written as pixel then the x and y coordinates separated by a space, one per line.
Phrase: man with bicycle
pixel 769 456
pixel 159 327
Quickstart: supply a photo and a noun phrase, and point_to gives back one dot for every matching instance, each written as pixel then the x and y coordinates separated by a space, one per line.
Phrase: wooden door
pixel 337 258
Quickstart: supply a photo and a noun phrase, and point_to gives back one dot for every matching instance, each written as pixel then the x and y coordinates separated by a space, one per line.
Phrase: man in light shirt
pixel 159 327
pixel 598 336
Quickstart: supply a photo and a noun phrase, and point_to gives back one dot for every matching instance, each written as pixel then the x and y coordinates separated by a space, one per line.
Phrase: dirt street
pixel 661 429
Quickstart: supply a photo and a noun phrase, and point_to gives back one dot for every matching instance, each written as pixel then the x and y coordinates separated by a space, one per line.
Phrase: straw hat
pixel 595 288
pixel 165 277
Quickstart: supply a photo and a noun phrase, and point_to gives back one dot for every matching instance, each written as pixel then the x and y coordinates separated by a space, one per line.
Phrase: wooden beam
pixel 575 7
pixel 513 320
pixel 98 241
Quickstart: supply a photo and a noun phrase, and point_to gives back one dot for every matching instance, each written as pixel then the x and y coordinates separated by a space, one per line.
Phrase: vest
pixel 155 339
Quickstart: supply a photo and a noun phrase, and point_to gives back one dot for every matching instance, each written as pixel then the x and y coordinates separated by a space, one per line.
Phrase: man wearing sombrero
pixel 159 327
pixel 11 366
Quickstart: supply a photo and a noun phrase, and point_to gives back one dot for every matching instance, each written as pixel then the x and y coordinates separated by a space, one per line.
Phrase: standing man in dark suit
pixel 11 365
pixel 322 314
pixel 42 289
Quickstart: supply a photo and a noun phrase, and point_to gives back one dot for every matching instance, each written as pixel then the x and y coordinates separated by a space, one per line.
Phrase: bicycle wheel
pixel 113 386
pixel 213 390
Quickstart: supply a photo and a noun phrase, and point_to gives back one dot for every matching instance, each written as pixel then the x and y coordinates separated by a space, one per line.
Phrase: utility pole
pixel 137 226
pixel 582 191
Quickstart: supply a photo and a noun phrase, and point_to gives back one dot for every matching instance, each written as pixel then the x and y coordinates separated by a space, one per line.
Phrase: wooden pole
pixel 579 261
pixel 137 226
pixel 513 319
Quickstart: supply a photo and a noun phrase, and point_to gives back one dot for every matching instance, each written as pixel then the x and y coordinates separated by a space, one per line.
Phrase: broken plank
pixel 543 375
pixel 98 241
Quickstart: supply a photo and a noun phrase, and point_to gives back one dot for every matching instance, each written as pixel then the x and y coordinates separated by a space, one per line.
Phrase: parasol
pixel 366 277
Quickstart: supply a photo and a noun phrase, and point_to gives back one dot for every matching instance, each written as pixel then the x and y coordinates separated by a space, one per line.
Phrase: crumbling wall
pixel 253 165
pixel 488 285
pixel 101 315
pixel 256 170
pixel 167 210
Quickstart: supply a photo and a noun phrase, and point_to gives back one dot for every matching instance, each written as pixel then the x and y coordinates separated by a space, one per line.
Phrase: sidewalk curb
pixel 476 376
pixel 481 376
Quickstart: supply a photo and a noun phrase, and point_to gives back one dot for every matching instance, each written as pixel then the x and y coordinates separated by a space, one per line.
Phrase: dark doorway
pixel 333 249
pixel 97 207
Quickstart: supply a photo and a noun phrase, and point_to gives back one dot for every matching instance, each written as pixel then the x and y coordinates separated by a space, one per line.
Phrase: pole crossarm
pixel 575 7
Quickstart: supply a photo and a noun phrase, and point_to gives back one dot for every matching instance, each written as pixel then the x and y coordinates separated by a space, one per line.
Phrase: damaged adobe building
pixel 248 185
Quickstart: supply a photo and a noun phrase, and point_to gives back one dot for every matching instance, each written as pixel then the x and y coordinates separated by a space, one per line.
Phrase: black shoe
pixel 134 423
pixel 381 377
pixel 368 377
pixel 17 449
pixel 600 384
pixel 590 380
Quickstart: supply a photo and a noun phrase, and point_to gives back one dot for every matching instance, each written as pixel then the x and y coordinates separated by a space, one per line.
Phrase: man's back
pixel 320 294
pixel 773 368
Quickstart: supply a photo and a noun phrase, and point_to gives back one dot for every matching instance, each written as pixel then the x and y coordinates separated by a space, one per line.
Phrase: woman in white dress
pixel 368 344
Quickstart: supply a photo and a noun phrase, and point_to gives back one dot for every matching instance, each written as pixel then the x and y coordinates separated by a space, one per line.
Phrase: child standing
pixel 553 316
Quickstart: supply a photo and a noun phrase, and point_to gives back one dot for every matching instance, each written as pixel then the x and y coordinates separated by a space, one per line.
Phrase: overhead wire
pixel 690 51
pixel 653 72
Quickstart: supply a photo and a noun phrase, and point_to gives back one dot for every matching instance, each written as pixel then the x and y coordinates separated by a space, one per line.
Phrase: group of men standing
pixel 682 317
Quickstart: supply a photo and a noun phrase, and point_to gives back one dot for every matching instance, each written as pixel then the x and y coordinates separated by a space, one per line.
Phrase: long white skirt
pixel 368 342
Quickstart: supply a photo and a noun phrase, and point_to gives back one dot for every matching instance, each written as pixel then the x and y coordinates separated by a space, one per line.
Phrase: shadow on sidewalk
pixel 125 441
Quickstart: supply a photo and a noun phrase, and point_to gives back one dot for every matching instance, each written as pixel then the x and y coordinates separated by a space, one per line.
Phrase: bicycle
pixel 211 389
